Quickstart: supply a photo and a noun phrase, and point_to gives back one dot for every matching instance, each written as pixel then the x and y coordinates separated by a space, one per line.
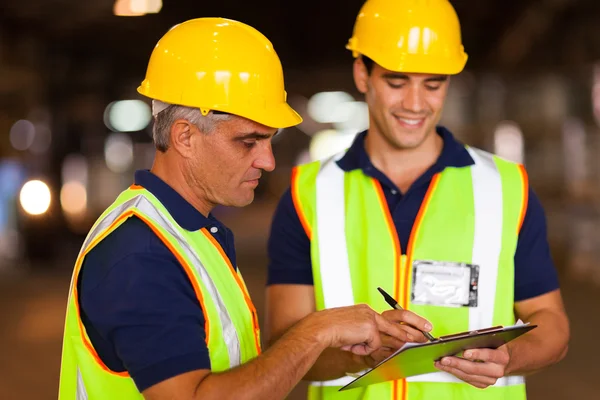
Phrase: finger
pixel 391 329
pixel 413 335
pixel 406 334
pixel 391 342
pixel 408 317
pixel 474 368
pixel 478 381
pixel 496 356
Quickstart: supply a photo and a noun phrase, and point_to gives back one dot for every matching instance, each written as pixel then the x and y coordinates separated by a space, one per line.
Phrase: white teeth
pixel 410 121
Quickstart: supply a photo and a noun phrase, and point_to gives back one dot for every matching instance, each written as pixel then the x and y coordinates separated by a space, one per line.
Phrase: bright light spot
pixel 42 139
pixel 131 8
pixel 508 141
pixel 329 142
pixel 352 116
pixel 73 198
pixel 22 134
pixel 127 115
pixel 35 197
pixel 321 106
pixel 146 6
pixel 118 152
pixel 123 8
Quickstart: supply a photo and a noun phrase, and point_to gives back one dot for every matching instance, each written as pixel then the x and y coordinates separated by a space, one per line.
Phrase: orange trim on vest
pixel 401 286
pixel 181 260
pixel 298 205
pixel 393 234
pixel 415 232
pixel 524 204
pixel 135 187
pixel 241 285
pixel 84 337
pixel 399 389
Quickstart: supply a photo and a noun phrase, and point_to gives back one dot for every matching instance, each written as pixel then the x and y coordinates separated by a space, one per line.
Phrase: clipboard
pixel 418 358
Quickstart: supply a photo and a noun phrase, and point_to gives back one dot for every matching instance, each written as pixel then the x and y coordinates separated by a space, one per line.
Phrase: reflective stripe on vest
pixel 333 255
pixel 81 392
pixel 143 204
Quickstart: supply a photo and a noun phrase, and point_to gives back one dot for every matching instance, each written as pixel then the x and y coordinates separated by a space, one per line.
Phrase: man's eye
pixel 249 143
pixel 395 85
pixel 433 87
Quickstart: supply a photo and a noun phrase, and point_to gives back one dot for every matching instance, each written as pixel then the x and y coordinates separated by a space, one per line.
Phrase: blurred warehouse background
pixel 73 130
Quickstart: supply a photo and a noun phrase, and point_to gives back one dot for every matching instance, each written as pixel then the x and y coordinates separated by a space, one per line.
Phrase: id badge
pixel 443 283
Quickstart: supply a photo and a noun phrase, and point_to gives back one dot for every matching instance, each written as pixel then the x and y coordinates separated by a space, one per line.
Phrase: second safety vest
pixel 469 215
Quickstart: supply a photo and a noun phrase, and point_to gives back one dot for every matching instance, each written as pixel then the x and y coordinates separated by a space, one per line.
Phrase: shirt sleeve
pixel 288 247
pixel 144 307
pixel 535 273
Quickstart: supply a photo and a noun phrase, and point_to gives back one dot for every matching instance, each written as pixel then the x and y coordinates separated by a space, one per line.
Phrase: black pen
pixel 390 300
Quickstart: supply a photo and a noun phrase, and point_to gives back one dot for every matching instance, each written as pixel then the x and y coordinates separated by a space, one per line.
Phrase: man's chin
pixel 244 200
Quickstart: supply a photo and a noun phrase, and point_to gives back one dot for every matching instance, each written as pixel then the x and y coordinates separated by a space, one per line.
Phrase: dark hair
pixel 368 63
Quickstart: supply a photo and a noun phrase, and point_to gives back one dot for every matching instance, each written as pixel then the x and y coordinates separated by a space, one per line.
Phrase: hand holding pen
pixel 394 304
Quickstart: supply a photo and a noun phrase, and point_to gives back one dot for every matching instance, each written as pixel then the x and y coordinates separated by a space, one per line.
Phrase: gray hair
pixel 166 114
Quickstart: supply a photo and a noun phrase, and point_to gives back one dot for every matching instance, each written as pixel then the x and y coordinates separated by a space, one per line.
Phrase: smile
pixel 410 123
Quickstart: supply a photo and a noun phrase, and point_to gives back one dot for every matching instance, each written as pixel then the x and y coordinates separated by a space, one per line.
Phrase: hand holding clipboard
pixel 418 358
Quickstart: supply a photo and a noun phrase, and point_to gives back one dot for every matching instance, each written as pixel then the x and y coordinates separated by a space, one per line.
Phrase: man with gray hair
pixel 164 120
pixel 158 308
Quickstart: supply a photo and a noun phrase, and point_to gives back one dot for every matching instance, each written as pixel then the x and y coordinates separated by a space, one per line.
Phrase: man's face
pixel 228 162
pixel 403 107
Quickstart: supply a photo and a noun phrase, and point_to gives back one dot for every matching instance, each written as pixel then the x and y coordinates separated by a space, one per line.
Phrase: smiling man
pixel 454 233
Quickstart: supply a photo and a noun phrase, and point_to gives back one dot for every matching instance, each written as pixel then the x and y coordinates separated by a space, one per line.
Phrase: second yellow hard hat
pixel 412 36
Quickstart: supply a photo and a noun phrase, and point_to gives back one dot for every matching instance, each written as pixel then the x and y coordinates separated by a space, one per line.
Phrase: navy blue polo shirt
pixel 137 304
pixel 289 247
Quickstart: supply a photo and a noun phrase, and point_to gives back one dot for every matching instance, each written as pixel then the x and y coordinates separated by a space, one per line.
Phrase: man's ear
pixel 180 138
pixel 361 75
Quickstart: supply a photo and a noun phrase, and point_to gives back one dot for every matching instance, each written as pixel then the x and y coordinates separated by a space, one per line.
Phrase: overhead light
pixel 322 106
pixel 35 197
pixel 136 8
pixel 328 142
pixel 127 115
pixel 73 198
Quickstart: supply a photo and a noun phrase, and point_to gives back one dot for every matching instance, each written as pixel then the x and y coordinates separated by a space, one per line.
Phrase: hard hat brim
pixel 281 115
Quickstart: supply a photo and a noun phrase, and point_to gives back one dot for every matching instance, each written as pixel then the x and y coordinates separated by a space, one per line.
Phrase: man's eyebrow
pixel 398 75
pixel 439 78
pixel 254 135
pixel 395 75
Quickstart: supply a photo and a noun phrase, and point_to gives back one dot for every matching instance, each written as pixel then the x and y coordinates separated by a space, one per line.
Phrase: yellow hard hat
pixel 418 36
pixel 222 65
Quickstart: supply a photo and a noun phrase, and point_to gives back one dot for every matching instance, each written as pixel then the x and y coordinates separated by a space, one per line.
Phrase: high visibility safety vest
pixel 231 325
pixel 469 215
